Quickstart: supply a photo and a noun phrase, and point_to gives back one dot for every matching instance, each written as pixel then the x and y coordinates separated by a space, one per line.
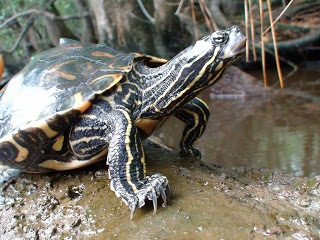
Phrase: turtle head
pixel 192 70
pixel 209 57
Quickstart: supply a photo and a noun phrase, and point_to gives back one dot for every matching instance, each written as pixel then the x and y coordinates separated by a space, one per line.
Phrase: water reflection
pixel 280 132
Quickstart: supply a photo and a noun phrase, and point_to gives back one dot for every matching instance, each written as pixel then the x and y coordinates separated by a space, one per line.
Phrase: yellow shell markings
pixel 66 75
pixel 72 46
pixel 116 79
pixel 55 72
pixel 62 166
pixel 102 54
pixel 89 66
pixel 125 68
pixel 43 125
pixel 57 146
pixel 22 152
pixel 73 164
pixel 57 54
pixel 80 104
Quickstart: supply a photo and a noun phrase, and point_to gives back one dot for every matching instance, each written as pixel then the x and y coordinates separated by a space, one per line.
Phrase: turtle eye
pixel 220 37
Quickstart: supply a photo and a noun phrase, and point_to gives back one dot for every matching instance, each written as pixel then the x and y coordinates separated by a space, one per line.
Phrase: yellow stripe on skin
pixel 220 65
pixel 218 75
pixel 196 123
pixel 180 72
pixel 201 72
pixel 128 150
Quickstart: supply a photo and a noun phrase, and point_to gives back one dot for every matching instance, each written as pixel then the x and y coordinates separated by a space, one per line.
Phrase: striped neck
pixel 169 87
pixel 166 89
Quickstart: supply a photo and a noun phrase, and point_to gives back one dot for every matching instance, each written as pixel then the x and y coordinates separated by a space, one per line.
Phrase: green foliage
pixel 69 8
pixel 11 32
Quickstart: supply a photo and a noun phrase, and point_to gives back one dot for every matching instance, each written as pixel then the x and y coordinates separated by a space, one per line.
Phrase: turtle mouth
pixel 238 49
pixel 236 45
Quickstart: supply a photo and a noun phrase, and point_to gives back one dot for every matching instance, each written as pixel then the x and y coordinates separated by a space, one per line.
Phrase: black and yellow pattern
pixel 81 103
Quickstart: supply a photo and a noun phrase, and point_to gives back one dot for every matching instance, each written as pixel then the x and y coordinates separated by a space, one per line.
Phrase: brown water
pixel 281 131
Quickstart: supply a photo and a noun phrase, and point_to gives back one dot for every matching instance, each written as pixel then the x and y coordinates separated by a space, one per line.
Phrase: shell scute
pixel 41 102
pixel 49 83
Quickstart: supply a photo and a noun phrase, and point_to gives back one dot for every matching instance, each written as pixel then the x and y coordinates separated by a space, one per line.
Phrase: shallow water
pixel 281 131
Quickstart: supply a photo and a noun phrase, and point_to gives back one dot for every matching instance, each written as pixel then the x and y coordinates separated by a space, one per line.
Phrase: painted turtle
pixel 80 103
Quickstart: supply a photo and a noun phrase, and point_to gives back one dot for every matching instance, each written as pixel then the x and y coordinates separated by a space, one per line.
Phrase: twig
pixel 263 53
pixel 207 20
pixel 291 64
pixel 23 32
pixel 252 32
pixel 275 46
pixel 179 7
pixel 247 30
pixel 194 20
pixel 219 16
pixel 44 13
pixel 277 19
pixel 298 42
pixel 14 17
pixel 213 22
pixel 145 12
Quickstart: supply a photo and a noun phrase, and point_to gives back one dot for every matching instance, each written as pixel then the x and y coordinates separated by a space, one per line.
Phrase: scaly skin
pixel 93 103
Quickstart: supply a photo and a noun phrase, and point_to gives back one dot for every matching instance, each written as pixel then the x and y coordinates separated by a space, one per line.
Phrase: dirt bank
pixel 207 203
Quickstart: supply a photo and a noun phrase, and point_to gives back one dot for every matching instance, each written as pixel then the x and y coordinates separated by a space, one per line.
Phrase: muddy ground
pixel 207 202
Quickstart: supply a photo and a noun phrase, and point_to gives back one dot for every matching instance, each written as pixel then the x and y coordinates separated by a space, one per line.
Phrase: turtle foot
pixel 190 151
pixel 155 186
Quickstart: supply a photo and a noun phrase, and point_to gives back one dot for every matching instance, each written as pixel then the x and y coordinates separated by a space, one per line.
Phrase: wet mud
pixel 207 202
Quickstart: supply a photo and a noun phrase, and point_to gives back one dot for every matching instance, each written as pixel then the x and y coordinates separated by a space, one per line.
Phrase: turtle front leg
pixel 127 168
pixel 195 115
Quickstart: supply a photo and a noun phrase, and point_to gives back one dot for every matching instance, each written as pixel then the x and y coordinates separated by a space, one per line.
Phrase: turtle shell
pixel 55 88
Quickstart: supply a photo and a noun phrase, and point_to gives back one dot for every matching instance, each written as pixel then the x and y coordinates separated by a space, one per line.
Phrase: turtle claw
pixel 154 201
pixel 155 185
pixel 133 209
pixel 164 196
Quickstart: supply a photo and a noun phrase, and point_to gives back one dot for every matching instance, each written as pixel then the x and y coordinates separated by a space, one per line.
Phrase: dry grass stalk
pixel 263 54
pixel 208 12
pixel 277 19
pixel 205 15
pixel 252 32
pixel 193 14
pixel 275 45
pixel 247 30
